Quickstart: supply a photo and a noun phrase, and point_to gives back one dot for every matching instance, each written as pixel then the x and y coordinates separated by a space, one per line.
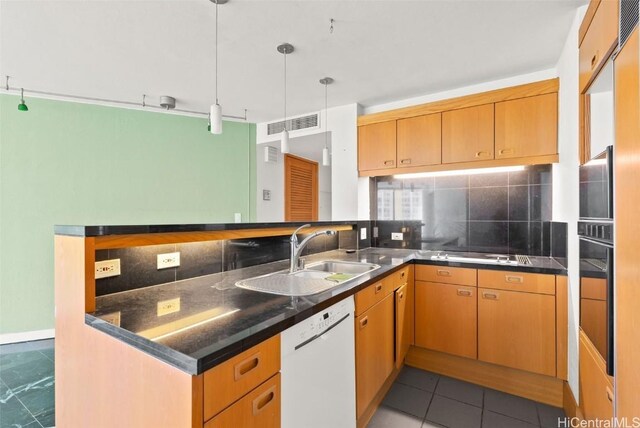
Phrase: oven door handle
pixel 595 241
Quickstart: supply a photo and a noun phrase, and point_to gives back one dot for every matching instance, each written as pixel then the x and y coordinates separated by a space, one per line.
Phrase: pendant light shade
pixel 216 119
pixel 22 106
pixel 284 142
pixel 326 158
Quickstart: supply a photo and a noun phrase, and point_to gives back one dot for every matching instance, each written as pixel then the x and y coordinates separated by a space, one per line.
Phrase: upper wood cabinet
pixel 527 127
pixel 598 39
pixel 420 141
pixel 467 134
pixel 377 146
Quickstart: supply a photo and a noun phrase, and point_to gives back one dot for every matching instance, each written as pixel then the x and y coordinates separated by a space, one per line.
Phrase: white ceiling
pixel 380 51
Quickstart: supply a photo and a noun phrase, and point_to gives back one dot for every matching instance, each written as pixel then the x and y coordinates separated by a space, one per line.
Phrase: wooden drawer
pixel 258 409
pixel 517 281
pixel 400 277
pixel 374 293
pixel 232 379
pixel 599 40
pixel 446 275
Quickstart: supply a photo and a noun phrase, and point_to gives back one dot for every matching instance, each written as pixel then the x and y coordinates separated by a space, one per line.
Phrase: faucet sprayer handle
pixel 294 237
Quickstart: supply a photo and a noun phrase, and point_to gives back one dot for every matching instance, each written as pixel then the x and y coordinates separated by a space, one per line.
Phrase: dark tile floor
pixel 420 399
pixel 27 385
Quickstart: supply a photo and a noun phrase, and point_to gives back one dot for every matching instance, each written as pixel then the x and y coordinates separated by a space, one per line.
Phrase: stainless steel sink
pixel 316 278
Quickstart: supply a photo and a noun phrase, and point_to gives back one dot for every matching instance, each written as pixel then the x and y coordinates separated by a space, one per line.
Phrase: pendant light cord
pixel 326 114
pixel 285 90
pixel 216 52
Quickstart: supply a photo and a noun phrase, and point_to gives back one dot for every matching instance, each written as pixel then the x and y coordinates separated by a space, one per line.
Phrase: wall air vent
pixel 295 124
pixel 628 19
pixel 270 154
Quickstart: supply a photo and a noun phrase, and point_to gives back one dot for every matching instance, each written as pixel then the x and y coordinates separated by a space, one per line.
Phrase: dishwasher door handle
pixel 312 338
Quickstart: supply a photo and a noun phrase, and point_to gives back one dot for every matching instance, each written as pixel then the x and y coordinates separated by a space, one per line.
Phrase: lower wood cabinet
pixel 402 324
pixel 518 330
pixel 260 408
pixel 596 387
pixel 374 351
pixel 446 318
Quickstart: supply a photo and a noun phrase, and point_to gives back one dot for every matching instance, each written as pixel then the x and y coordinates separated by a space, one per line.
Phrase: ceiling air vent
pixel 628 19
pixel 297 123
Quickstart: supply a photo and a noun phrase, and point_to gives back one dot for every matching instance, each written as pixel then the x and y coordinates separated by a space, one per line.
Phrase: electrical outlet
pixel 168 306
pixel 363 233
pixel 375 232
pixel 112 318
pixel 397 236
pixel 168 260
pixel 107 268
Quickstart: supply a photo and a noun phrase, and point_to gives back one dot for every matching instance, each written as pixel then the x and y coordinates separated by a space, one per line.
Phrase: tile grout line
pixel 431 400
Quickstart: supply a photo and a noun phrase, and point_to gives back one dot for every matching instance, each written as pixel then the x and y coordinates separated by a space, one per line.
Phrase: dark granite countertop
pixel 218 320
pixel 72 230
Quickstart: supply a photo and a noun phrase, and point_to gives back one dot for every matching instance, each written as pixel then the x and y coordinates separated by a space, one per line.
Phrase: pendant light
pixel 326 156
pixel 215 113
pixel 285 49
pixel 22 106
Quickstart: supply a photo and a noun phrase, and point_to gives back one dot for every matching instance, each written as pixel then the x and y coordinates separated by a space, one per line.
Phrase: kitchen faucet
pixel 296 249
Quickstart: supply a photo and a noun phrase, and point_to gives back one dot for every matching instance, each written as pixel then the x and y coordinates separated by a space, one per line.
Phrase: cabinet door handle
pixel 463 292
pixel 389 162
pixel 505 151
pixel 262 401
pixel 594 60
pixel 405 161
pixel 442 272
pixel 403 273
pixel 514 279
pixel 609 394
pixel 400 295
pixel 378 288
pixel 364 321
pixel 482 153
pixel 490 296
pixel 246 366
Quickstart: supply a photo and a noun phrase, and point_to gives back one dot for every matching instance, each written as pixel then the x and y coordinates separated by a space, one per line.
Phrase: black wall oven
pixel 595 230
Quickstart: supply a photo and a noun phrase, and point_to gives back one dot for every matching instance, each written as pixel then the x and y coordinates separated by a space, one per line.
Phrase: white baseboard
pixel 26 336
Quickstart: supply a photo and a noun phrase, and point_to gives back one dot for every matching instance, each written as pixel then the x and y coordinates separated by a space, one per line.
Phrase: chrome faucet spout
pixel 296 248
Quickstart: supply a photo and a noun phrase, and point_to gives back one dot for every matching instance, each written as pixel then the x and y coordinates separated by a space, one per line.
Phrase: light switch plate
pixel 266 194
pixel 107 268
pixel 363 233
pixel 168 306
pixel 168 260
pixel 237 217
pixel 397 236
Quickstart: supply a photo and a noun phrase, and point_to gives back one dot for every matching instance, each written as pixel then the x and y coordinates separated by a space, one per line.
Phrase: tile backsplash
pixel 497 212
pixel 138 265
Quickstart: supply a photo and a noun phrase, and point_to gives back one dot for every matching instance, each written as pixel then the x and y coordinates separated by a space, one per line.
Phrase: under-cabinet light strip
pixel 461 172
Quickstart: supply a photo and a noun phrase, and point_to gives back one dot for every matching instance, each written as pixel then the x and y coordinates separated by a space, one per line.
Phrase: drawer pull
pixel 514 279
pixel 378 288
pixel 594 60
pixel 405 161
pixel 609 394
pixel 389 162
pixel 263 400
pixel 505 151
pixel 401 295
pixel 403 273
pixel 364 321
pixel 246 366
pixel 442 272
pixel 465 293
pixel 490 296
pixel 482 153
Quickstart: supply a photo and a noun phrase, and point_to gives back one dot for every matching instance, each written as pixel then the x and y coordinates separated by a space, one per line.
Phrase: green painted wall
pixel 70 163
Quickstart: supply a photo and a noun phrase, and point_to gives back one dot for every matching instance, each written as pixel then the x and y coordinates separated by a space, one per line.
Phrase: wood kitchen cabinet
pixel 596 387
pixel 526 127
pixel 419 141
pixel 374 351
pixel 404 313
pixel 377 146
pixel 598 38
pixel 446 318
pixel 517 330
pixel 467 134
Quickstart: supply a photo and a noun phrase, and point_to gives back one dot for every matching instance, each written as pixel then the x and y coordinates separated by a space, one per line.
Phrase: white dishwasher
pixel 318 370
